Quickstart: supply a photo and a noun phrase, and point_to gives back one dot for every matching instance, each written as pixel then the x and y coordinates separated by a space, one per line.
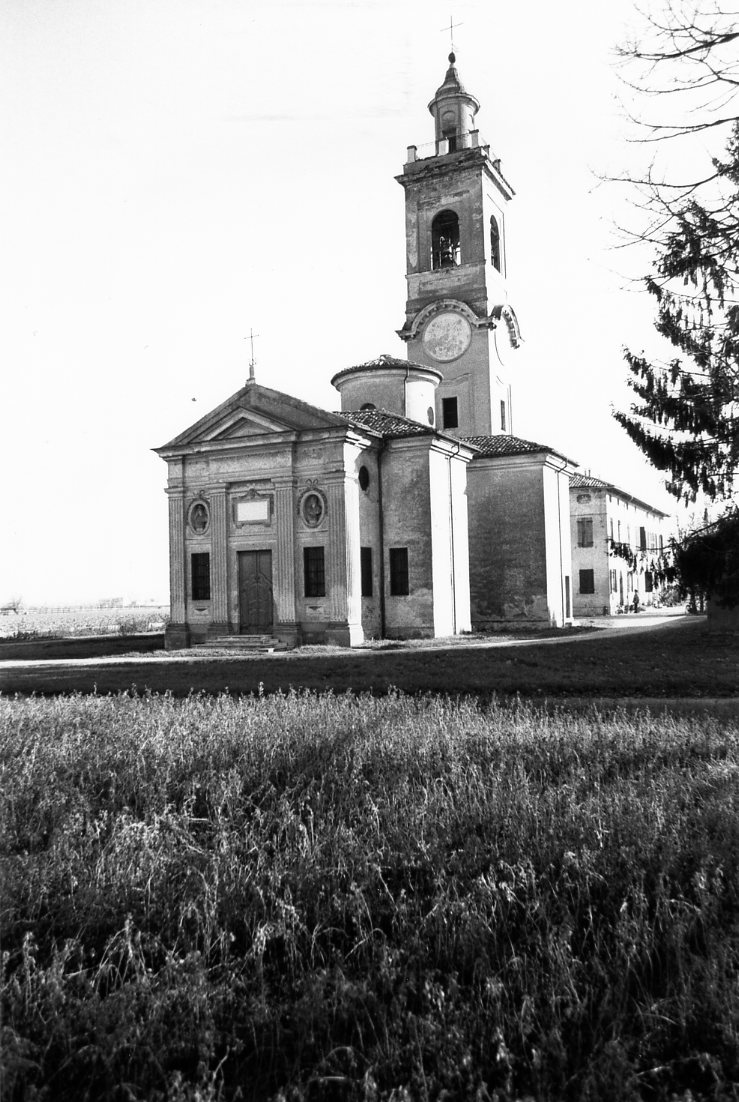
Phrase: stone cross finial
pixel 450 28
pixel 252 361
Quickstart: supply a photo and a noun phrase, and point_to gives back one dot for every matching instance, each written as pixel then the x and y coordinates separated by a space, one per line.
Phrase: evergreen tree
pixel 685 415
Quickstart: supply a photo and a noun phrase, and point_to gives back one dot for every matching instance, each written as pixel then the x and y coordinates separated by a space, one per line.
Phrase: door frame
pixel 244 628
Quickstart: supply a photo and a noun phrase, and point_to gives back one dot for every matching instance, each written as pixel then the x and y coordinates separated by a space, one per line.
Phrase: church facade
pixel 414 510
pixel 289 521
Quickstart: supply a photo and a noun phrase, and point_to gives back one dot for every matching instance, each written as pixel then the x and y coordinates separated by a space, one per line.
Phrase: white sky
pixel 178 171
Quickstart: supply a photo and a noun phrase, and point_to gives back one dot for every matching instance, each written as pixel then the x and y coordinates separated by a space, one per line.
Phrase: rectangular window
pixel 614 583
pixel 584 532
pixel 648 582
pixel 365 554
pixel 642 539
pixel 449 415
pixel 314 572
pixel 587 581
pixel 399 571
pixel 502 416
pixel 200 575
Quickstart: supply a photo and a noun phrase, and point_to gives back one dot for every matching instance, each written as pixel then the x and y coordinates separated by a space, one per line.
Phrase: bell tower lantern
pixel 458 317
pixel 453 109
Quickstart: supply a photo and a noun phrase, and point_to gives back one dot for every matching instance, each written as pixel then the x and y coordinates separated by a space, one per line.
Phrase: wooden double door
pixel 256 599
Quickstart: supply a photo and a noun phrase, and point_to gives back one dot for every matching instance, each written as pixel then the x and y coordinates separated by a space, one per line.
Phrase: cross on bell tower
pixel 450 28
pixel 458 316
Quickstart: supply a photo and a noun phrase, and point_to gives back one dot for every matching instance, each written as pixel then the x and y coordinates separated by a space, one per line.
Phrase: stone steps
pixel 246 644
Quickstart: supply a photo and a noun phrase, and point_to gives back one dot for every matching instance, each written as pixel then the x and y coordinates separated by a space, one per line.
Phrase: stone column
pixel 286 627
pixel 177 634
pixel 219 562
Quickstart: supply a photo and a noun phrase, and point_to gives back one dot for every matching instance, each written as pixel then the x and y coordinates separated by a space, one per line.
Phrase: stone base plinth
pixel 327 631
pixel 176 636
pixel 345 635
pixel 289 634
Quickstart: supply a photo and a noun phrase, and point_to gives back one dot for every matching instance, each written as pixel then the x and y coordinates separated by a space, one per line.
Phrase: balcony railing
pixel 466 139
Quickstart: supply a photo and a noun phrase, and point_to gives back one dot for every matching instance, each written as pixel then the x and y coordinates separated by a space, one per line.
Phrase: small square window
pixel 449 413
pixel 587 581
pixel 399 572
pixel 314 572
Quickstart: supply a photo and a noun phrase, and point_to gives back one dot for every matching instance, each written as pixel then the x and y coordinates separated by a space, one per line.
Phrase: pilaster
pixel 177 634
pixel 343 575
pixel 284 589
pixel 219 560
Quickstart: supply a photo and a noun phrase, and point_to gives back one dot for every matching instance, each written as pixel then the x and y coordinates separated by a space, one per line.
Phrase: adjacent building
pixel 618 548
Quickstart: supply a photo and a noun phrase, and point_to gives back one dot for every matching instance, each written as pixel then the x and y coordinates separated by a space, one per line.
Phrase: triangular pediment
pixel 243 424
pixel 252 412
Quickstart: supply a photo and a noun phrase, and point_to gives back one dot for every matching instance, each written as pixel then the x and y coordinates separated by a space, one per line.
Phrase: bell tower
pixel 458 318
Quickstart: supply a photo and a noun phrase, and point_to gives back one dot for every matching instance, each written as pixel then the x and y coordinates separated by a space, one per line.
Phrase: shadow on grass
pixel 682 659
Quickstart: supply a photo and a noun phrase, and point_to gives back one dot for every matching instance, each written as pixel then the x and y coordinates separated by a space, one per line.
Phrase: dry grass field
pixel 312 897
pixel 320 887
pixel 59 623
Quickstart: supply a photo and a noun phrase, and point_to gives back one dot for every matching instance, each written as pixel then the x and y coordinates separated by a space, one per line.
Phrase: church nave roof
pixel 503 444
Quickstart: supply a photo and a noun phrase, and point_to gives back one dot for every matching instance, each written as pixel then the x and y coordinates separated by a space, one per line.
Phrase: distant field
pixel 313 897
pixel 81 621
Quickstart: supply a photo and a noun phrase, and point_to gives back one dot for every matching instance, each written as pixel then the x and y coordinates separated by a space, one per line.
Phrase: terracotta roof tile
pixel 385 424
pixel 588 482
pixel 384 360
pixel 503 444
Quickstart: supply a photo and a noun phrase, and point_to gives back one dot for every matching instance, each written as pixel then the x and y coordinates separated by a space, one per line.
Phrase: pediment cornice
pixel 255 414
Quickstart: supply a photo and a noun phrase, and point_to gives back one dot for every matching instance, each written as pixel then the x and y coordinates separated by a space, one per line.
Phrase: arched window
pixel 449 129
pixel 494 242
pixel 445 240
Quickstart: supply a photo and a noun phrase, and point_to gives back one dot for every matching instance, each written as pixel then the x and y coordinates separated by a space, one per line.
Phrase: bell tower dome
pixel 458 316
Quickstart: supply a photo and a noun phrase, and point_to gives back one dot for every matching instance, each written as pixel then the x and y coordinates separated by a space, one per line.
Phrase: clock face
pixel 447 336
